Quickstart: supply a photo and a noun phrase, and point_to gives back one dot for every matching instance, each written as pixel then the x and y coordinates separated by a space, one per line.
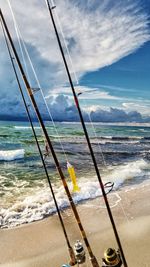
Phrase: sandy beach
pixel 42 244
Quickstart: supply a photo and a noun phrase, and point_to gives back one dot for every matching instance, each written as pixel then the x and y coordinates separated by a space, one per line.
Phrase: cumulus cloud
pixel 144 108
pixel 98 33
pixel 10 98
pixel 63 110
pixel 117 115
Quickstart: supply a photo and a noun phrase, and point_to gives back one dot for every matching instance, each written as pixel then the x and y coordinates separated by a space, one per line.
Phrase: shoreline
pixel 41 243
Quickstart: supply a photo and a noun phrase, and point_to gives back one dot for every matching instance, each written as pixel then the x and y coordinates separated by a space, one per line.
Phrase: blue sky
pixel 109 46
pixel 128 79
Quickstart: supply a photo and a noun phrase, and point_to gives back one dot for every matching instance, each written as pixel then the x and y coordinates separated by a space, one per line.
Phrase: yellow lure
pixel 73 177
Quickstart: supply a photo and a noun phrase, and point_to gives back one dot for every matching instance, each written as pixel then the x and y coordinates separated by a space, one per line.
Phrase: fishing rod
pixel 86 135
pixel 58 167
pixel 70 249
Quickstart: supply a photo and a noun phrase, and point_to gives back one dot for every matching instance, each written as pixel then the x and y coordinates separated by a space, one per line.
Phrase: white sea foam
pixel 40 203
pixel 37 206
pixel 127 171
pixel 26 127
pixel 9 155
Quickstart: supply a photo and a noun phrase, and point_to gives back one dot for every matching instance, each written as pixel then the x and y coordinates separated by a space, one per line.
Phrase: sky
pixel 107 47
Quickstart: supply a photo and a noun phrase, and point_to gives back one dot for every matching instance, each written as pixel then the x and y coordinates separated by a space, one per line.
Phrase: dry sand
pixel 42 244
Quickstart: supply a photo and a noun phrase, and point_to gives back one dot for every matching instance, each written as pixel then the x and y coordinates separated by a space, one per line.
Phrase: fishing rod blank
pixel 87 136
pixel 70 249
pixel 30 93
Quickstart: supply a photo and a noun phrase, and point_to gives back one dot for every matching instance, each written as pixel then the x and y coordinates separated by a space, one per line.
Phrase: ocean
pixel 122 152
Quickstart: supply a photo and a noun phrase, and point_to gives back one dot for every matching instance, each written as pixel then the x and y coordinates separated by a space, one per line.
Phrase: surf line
pixel 58 167
pixel 70 249
pixel 50 9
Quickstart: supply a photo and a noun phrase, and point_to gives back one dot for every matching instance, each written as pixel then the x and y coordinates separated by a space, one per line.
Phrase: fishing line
pixel 87 137
pixel 117 195
pixel 19 36
pixel 99 146
pixel 65 44
pixel 17 33
pixel 72 256
pixel 123 210
pixel 77 83
pixel 57 164
pixel 44 99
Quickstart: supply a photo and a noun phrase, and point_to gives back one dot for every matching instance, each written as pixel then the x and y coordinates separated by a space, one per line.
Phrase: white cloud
pixel 117 88
pixel 113 30
pixel 84 91
pixel 142 107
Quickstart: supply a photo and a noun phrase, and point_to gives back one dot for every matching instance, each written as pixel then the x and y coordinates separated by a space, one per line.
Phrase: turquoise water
pixel 122 153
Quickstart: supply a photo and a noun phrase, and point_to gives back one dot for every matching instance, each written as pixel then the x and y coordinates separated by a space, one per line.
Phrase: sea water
pixel 122 153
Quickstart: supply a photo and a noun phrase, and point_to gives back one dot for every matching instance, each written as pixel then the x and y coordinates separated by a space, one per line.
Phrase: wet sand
pixel 42 244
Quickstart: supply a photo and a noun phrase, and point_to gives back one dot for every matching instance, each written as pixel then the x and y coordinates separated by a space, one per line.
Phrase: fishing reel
pixel 111 258
pixel 79 252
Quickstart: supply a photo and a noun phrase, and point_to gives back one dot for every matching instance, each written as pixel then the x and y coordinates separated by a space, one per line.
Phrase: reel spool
pixel 111 258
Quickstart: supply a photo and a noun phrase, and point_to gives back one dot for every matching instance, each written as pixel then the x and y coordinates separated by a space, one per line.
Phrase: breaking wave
pixel 9 155
pixel 128 171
